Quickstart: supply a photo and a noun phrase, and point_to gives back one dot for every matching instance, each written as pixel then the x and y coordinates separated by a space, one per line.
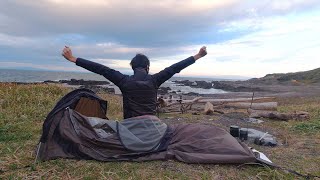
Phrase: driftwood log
pixel 183 105
pixel 255 109
pixel 257 106
pixel 210 105
pixel 299 115
pixel 203 100
pixel 172 102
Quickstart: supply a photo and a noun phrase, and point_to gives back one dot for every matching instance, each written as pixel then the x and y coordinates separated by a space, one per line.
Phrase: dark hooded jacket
pixel 139 90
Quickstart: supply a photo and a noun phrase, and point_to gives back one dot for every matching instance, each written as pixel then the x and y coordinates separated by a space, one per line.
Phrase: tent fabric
pixel 71 100
pixel 70 134
pixel 205 144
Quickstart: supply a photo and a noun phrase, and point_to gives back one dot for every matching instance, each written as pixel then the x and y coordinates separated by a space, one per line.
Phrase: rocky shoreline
pixel 260 87
pixel 79 82
pixel 223 85
pixel 234 88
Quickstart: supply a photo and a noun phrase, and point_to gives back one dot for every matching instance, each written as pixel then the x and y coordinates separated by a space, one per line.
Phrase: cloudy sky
pixel 243 37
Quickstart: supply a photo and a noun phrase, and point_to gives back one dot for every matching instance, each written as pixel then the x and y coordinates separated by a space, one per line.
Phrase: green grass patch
pixel 13 133
pixel 23 109
pixel 308 127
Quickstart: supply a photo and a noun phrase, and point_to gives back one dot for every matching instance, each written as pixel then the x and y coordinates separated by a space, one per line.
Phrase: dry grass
pixel 24 107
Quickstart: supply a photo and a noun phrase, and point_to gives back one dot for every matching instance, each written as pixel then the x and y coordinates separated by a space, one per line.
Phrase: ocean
pixel 12 75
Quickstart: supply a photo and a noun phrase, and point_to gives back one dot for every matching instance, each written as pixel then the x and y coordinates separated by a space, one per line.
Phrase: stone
pixel 84 82
pixel 203 85
pixel 191 94
pixel 163 90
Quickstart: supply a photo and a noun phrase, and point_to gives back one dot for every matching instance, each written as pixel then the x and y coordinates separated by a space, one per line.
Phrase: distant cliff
pixel 305 77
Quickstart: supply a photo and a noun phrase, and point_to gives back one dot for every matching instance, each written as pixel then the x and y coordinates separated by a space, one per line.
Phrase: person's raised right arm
pixel 111 74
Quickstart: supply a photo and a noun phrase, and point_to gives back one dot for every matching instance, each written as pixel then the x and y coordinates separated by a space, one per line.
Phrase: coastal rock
pixel 100 89
pixel 196 84
pixel 191 94
pixel 84 82
pixel 204 84
pixel 26 83
pixel 50 81
pixel 184 82
pixel 164 90
pixel 233 87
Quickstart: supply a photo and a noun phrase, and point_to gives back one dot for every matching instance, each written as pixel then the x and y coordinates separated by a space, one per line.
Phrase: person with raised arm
pixel 139 90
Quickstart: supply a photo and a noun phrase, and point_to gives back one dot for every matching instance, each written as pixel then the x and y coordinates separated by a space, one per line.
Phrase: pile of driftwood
pixel 256 107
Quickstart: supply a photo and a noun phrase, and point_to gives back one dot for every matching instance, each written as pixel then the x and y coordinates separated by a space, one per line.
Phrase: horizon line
pixel 224 77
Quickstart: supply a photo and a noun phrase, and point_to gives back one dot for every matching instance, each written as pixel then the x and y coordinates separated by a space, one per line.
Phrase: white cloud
pixel 8 40
pixel 114 63
pixel 282 44
pixel 285 5
pixel 270 35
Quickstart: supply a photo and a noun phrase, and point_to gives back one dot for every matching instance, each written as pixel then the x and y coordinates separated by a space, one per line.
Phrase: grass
pixel 310 127
pixel 311 105
pixel 24 107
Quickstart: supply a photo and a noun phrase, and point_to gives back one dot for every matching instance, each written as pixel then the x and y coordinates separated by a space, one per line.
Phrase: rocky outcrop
pixel 84 82
pixel 191 94
pixel 233 87
pixel 196 84
pixel 50 81
pixel 164 90
pixel 203 85
pixel 184 83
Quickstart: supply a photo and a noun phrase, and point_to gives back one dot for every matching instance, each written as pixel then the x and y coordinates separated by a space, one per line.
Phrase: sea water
pixel 11 75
